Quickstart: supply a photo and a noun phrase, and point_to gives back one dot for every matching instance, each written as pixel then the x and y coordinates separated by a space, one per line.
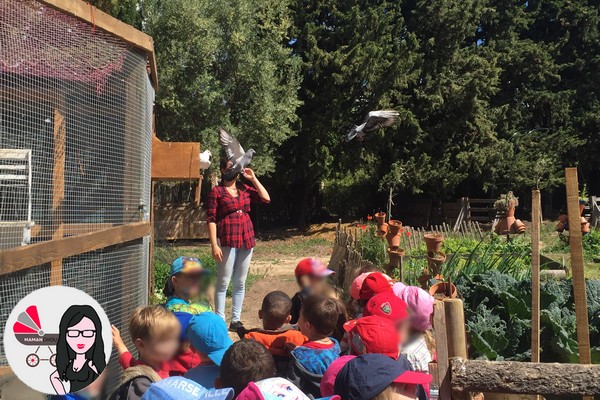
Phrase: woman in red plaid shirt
pixel 232 236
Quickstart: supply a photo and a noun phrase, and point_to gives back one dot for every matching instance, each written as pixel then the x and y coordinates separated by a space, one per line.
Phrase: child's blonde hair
pixel 390 392
pixel 153 322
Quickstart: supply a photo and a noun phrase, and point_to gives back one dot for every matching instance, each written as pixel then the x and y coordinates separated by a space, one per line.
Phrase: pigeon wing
pixel 380 119
pixel 352 133
pixel 232 147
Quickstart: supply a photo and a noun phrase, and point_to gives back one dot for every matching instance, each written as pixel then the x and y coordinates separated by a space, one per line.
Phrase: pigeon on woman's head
pixel 239 158
pixel 374 120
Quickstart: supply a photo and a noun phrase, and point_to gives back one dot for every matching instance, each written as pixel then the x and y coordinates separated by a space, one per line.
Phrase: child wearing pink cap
pixel 417 347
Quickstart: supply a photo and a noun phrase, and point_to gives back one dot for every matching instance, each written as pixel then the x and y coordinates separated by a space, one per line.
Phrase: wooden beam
pixel 93 16
pixel 175 161
pixel 58 190
pixel 575 243
pixel 535 274
pixel 525 378
pixel 5 371
pixel 24 257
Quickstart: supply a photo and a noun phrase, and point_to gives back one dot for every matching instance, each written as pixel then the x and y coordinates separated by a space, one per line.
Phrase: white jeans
pixel 236 263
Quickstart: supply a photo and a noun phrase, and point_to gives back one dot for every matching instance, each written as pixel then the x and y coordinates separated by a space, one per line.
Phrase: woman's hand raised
pixel 217 253
pixel 249 174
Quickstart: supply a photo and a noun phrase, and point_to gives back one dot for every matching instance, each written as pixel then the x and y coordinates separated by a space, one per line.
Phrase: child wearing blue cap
pixel 207 333
pixel 179 388
pixel 184 286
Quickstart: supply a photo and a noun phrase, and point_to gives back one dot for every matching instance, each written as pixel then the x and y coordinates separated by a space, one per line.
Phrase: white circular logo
pixel 57 340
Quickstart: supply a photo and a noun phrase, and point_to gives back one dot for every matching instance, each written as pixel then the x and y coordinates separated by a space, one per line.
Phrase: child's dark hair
pixel 343 317
pixel 244 362
pixel 321 312
pixel 276 308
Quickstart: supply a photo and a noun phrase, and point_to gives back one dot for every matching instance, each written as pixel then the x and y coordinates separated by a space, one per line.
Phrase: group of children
pixel 375 346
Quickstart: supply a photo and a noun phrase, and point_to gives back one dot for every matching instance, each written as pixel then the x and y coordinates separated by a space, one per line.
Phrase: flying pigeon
pixel 205 159
pixel 239 158
pixel 375 120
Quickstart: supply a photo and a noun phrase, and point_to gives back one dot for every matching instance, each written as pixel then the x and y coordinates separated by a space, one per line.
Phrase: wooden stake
pixel 58 190
pixel 535 275
pixel 441 348
pixel 575 243
pixel 455 328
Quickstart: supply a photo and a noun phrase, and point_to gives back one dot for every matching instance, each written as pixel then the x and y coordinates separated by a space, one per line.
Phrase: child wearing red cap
pixel 311 276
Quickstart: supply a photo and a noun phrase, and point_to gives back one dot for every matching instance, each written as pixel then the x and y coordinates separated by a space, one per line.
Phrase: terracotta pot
pixel 380 218
pixel 440 289
pixel 394 226
pixel 581 207
pixel 585 226
pixel 564 218
pixel 424 279
pixel 393 239
pixel 511 211
pixel 433 241
pixel 395 254
pixel 505 223
pixel 518 226
pixel 560 227
pixel 435 261
pixel 382 230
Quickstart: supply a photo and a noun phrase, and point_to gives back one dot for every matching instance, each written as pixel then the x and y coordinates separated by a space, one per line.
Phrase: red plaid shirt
pixel 234 227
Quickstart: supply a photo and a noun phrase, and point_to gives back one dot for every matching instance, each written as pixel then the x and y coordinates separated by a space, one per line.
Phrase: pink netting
pixel 37 40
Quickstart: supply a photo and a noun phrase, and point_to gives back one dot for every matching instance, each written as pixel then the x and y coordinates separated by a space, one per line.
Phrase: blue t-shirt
pixel 317 360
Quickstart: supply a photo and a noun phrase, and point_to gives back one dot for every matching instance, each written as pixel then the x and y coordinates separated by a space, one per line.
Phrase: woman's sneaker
pixel 236 326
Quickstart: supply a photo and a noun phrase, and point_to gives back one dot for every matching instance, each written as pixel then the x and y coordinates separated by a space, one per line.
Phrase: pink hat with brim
pixel 275 389
pixel 397 288
pixel 328 380
pixel 420 303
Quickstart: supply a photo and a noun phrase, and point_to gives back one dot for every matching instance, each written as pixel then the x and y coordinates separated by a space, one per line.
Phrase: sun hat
pixel 420 303
pixel 313 267
pixel 274 389
pixel 208 334
pixel 397 288
pixel 180 388
pixel 366 376
pixel 374 335
pixel 387 305
pixel 358 281
pixel 186 265
pixel 328 379
pixel 373 284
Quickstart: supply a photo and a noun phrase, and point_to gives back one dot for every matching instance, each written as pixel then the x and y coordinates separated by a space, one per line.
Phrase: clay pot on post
pixel 435 261
pixel 560 227
pixel 382 230
pixel 394 226
pixel 442 290
pixel 380 218
pixel 393 240
pixel 505 220
pixel 582 204
pixel 433 241
pixel 395 254
pixel 518 226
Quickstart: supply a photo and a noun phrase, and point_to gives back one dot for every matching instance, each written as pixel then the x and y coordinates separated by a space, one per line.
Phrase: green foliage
pixel 591 245
pixel 125 10
pixel 225 64
pixel 371 247
pixel 498 317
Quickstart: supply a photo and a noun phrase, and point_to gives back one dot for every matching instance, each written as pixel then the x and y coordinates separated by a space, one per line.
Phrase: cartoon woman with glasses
pixel 80 354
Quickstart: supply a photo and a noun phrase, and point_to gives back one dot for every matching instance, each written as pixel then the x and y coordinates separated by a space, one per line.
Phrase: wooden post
pixel 441 348
pixel 58 190
pixel 575 243
pixel 455 328
pixel 535 275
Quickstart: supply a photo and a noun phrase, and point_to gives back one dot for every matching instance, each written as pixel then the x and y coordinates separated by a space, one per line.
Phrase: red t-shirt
pixel 127 360
pixel 183 362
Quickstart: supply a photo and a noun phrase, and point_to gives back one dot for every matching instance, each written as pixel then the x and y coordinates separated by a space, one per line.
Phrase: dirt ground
pixel 275 257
